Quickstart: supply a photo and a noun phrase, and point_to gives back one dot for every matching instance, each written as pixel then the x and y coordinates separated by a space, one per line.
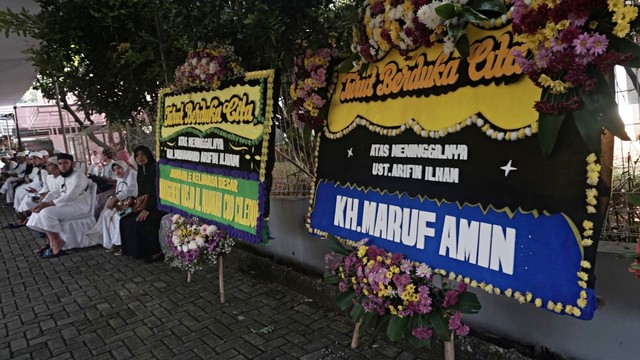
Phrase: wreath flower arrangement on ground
pixel 309 89
pixel 382 288
pixel 207 67
pixel 193 244
pixel 573 47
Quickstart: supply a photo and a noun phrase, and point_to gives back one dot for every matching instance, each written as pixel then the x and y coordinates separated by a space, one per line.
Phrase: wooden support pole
pixel 356 335
pixel 221 279
pixel 188 276
pixel 449 349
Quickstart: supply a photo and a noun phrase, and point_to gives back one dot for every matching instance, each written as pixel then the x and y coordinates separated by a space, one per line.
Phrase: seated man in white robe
pixel 49 185
pixel 34 181
pixel 15 177
pixel 71 201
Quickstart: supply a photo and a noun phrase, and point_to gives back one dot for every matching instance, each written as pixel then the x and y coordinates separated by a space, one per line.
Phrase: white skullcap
pixel 21 154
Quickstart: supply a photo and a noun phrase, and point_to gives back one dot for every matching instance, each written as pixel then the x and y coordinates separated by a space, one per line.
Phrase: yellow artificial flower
pixel 558 308
pixel 587 242
pixel 508 292
pixel 585 264
pixel 551 305
pixel 582 303
pixel 583 275
pixel 587 224
pixel 528 296
pixel 538 302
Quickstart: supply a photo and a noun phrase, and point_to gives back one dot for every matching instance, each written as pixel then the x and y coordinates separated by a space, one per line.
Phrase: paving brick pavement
pixel 94 305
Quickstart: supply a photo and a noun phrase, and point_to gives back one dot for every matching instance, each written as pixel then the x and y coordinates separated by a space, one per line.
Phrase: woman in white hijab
pixel 108 225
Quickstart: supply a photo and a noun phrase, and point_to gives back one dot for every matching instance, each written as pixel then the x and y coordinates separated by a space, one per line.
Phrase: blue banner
pixel 500 247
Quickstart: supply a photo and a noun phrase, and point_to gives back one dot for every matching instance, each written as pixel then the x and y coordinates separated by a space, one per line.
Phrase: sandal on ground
pixel 42 249
pixel 154 258
pixel 12 226
pixel 48 254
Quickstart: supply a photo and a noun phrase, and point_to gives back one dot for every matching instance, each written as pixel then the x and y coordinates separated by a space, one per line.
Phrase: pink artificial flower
pixel 203 229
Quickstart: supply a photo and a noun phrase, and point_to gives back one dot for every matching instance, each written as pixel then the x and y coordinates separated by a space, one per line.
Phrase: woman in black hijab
pixel 139 231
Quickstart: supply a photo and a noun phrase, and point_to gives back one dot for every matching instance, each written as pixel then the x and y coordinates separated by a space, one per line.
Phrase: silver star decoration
pixel 350 153
pixel 507 168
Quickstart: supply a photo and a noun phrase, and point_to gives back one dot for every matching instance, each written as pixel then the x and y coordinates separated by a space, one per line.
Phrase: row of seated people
pixel 63 209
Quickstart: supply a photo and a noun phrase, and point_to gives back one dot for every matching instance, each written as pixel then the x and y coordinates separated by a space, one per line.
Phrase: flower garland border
pixel 498 22
pixel 521 296
pixel 484 125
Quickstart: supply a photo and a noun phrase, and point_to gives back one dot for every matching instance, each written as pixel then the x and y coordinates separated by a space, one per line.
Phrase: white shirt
pixel 71 188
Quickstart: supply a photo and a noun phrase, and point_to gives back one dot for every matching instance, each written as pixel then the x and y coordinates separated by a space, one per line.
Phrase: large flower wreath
pixel 309 90
pixel 192 244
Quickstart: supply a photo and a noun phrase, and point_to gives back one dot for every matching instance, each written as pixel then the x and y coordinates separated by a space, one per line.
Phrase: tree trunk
pixel 83 127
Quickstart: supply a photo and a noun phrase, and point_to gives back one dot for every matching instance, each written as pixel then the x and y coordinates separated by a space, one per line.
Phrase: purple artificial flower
pixel 581 44
pixel 598 44
pixel 455 322
pixel 463 330
pixel 422 333
pixel 450 299
pixel 462 287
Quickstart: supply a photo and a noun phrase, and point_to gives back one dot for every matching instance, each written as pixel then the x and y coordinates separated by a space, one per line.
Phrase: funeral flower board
pixel 437 157
pixel 216 154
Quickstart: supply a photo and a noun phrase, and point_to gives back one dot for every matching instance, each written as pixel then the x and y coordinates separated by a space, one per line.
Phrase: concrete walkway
pixel 93 305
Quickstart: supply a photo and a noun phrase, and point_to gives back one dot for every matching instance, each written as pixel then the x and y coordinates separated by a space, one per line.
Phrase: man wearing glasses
pixel 71 201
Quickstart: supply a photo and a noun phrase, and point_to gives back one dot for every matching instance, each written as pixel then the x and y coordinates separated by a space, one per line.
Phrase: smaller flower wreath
pixel 192 244
pixel 310 86
pixel 207 67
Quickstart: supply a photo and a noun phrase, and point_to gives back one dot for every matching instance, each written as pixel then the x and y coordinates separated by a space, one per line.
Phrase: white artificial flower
pixel 194 61
pixel 192 245
pixel 211 230
pixel 199 241
pixel 423 271
pixel 448 45
pixel 175 239
pixel 175 218
pixel 213 67
pixel 427 15
pixel 185 248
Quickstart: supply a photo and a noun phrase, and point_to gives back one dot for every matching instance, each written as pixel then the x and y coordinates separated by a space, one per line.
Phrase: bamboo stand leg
pixel 356 335
pixel 449 349
pixel 221 279
pixel 188 276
